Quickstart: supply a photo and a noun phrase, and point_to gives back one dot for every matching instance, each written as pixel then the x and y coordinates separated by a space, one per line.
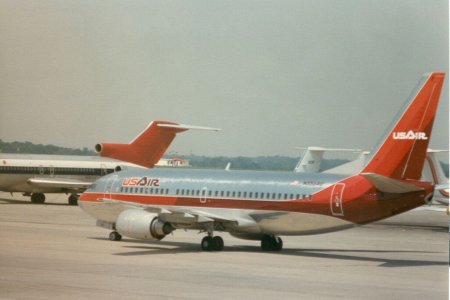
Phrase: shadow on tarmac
pixel 16 201
pixel 156 248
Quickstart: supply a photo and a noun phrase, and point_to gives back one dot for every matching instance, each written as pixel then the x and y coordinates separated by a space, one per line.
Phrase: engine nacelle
pixel 139 224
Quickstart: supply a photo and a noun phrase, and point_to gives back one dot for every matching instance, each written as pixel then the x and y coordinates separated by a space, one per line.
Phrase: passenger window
pixel 177 192
pixel 216 193
pixel 250 194
pixel 233 195
pixel 228 193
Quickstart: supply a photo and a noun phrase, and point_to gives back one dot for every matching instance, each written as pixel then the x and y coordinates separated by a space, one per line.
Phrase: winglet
pixel 149 146
pixel 401 154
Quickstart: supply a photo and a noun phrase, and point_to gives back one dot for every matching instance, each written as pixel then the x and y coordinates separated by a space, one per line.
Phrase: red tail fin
pixel 402 153
pixel 148 147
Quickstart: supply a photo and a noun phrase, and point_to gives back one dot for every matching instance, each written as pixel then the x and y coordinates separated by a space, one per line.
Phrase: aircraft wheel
pixel 266 243
pixel 271 243
pixel 115 236
pixel 217 243
pixel 37 198
pixel 73 199
pixel 278 244
pixel 207 243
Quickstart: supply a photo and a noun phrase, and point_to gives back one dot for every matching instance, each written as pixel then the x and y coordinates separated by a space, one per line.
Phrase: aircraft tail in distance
pixel 149 146
pixel 401 154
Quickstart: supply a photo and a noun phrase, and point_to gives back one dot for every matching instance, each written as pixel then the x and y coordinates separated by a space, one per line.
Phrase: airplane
pixel 149 204
pixel 35 175
pixel 432 170
pixel 312 158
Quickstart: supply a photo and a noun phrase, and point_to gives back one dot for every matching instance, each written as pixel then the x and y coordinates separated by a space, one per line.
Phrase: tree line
pixel 274 163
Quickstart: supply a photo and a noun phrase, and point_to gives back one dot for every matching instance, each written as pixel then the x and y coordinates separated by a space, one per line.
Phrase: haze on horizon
pixel 273 75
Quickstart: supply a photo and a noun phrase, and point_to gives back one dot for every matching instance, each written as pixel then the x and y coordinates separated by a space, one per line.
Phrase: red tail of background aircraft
pixel 148 147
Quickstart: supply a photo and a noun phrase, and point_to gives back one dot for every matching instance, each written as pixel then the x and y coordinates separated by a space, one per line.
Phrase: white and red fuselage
pixel 284 203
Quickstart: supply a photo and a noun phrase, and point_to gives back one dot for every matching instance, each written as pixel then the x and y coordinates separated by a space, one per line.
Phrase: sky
pixel 273 75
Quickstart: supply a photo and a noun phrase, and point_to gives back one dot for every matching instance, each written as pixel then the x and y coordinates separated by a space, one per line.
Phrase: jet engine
pixel 139 224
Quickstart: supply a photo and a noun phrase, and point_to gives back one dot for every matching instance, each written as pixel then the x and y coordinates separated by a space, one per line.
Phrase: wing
pixel 61 183
pixel 179 216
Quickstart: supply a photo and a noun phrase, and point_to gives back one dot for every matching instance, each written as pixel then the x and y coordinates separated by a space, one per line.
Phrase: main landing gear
pixel 210 243
pixel 37 198
pixel 270 242
pixel 73 199
pixel 115 236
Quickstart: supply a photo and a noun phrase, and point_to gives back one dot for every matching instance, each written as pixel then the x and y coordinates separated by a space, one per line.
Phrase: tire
pixel 207 243
pixel 37 198
pixel 267 243
pixel 278 244
pixel 115 236
pixel 73 200
pixel 217 243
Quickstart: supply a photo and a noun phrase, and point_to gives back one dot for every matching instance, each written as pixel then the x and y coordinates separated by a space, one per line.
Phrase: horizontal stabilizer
pixel 442 186
pixel 389 185
pixel 187 127
pixel 437 150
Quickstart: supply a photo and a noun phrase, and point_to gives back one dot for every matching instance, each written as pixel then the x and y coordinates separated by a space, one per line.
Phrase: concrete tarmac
pixel 55 251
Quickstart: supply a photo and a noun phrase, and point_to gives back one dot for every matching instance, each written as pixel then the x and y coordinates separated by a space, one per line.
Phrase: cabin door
pixel 109 187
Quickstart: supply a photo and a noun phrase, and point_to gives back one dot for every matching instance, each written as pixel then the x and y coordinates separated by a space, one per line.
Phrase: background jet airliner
pixel 151 203
pixel 35 175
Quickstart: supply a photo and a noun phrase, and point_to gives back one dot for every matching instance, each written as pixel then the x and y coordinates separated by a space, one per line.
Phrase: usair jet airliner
pixel 151 203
